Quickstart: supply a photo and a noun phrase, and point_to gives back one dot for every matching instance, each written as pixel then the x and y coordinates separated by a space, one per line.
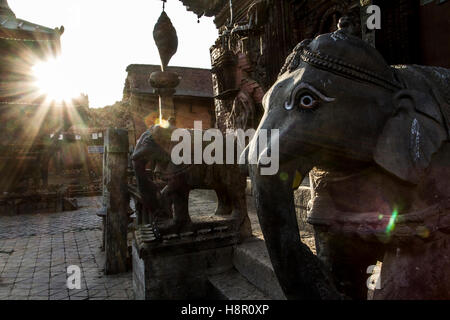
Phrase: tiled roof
pixel 195 82
pixel 204 7
pixel 9 21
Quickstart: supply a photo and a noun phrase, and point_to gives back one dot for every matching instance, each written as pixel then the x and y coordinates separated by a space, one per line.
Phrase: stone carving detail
pixel 243 112
pixel 236 84
pixel 155 146
pixel 251 41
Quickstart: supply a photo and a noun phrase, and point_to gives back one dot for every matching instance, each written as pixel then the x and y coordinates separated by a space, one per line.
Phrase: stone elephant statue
pixel 155 146
pixel 375 140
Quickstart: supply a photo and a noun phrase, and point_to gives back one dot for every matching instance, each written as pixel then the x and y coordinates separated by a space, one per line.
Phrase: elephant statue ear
pixel 411 136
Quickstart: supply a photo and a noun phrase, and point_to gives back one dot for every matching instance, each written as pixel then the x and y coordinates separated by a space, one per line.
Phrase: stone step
pixel 231 285
pixel 252 261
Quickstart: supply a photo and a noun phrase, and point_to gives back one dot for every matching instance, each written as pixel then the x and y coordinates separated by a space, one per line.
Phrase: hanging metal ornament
pixel 165 81
pixel 166 39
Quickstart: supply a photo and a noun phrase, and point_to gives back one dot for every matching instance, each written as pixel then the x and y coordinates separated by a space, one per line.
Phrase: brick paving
pixel 26 225
pixel 37 249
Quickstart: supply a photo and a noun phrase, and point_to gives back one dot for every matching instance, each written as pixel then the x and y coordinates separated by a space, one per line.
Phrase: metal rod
pixel 231 12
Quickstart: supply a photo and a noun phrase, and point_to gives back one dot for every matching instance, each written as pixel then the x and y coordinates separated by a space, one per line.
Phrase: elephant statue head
pixel 340 107
pixel 151 149
pixel 154 146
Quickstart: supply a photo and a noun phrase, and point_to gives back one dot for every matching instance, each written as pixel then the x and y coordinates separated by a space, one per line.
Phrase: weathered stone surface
pixel 231 285
pixel 36 249
pixel 252 261
pixel 180 276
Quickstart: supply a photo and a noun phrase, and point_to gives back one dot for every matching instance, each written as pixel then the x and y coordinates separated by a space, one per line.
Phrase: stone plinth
pixel 177 267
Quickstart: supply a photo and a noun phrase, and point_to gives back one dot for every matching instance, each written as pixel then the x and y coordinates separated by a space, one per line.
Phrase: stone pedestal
pixel 178 266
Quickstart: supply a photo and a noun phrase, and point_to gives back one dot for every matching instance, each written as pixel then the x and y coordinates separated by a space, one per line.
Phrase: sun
pixel 53 79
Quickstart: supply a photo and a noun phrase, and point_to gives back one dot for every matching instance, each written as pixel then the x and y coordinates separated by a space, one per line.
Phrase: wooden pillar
pixel 117 200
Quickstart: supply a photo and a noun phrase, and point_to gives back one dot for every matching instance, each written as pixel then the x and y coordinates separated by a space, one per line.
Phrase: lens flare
pixel 162 122
pixel 391 225
pixel 284 176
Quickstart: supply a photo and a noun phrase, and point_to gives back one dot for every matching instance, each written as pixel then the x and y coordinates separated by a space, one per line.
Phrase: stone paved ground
pixel 36 249
pixel 26 225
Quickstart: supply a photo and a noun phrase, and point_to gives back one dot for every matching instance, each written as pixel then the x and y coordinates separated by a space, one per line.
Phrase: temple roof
pixel 220 9
pixel 19 24
pixel 207 8
pixel 11 26
pixel 5 9
pixel 195 82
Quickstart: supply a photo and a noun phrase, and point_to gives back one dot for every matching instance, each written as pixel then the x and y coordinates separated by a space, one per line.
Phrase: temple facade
pixel 256 36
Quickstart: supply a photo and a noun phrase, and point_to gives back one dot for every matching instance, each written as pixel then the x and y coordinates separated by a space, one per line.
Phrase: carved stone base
pixel 177 267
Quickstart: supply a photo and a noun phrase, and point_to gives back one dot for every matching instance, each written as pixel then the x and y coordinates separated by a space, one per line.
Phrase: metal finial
pixel 166 39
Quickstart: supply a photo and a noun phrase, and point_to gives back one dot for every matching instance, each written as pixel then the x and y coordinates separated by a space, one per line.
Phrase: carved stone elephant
pixel 155 146
pixel 375 140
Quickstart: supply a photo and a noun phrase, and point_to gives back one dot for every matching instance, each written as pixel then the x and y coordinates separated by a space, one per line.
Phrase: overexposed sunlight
pixel 54 79
pixel 100 46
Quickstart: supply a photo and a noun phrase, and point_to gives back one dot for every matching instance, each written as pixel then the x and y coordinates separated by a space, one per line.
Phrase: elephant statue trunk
pixel 300 273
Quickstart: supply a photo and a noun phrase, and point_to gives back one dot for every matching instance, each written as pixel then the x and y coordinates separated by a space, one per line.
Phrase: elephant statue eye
pixel 306 97
pixel 307 101
pixel 147 140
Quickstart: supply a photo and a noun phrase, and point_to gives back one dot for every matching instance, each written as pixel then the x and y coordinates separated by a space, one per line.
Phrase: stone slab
pixel 252 261
pixel 231 285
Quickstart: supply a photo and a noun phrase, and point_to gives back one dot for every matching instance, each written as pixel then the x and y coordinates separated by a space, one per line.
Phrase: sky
pixel 103 37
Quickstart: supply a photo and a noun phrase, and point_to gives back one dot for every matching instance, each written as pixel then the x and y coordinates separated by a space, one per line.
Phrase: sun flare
pixel 53 79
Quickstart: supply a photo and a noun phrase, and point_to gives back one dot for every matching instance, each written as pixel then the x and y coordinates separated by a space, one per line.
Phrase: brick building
pixel 193 100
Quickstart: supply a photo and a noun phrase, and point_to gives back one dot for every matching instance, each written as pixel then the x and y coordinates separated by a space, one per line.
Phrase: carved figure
pixel 155 145
pixel 375 139
pixel 243 111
